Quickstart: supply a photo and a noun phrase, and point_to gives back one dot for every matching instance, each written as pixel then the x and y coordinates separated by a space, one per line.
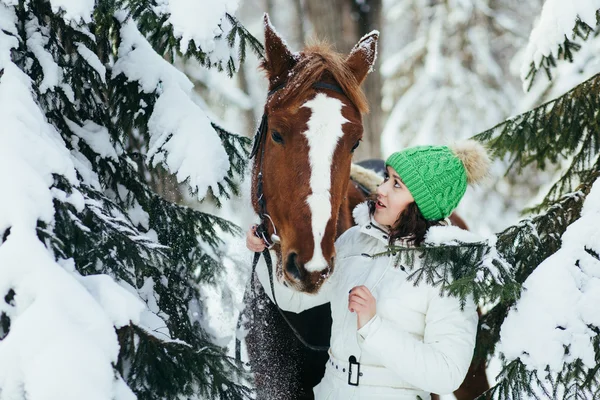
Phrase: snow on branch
pixel 58 336
pixel 31 150
pixel 552 35
pixel 74 11
pixel 199 21
pixel 461 263
pixel 558 129
pixel 556 319
pixel 56 325
pixel 181 135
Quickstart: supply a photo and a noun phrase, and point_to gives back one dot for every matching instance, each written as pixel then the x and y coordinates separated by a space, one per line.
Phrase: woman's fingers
pixel 354 306
pixel 357 299
pixel 361 291
pixel 362 302
pixel 253 242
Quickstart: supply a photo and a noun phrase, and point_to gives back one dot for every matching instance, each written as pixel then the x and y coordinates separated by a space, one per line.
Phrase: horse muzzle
pixel 299 278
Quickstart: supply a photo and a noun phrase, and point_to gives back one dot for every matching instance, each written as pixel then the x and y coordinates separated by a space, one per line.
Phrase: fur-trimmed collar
pixel 361 214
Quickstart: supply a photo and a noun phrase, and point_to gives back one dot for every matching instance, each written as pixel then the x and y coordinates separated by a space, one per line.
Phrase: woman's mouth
pixel 379 204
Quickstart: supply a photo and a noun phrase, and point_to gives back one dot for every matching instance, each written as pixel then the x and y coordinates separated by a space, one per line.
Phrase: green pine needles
pixel 565 51
pixel 565 128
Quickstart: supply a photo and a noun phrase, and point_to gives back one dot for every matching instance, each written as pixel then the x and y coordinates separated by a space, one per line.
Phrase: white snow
pixel 138 216
pixel 96 136
pixel 56 325
pixel 37 38
pixel 197 20
pixel 323 134
pixel 75 11
pixel 556 21
pixel 181 135
pixel 93 60
pixel 221 88
pixel 453 236
pixel 450 235
pixel 560 299
pixel 31 148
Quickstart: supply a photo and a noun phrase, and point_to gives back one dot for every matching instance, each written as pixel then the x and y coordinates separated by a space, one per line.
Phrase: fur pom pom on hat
pixel 474 158
pixel 437 176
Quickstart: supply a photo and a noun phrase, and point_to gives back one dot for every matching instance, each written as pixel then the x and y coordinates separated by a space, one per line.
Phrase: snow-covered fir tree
pixel 98 274
pixel 550 340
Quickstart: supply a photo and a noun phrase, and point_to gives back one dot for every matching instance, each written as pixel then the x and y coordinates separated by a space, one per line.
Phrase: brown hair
pixel 410 226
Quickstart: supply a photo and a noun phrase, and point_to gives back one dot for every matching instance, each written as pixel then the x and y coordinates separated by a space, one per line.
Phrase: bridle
pixel 261 230
pixel 259 137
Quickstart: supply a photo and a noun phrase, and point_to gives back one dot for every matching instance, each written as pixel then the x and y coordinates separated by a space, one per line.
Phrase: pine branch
pixel 237 148
pixel 244 36
pixel 107 220
pixel 566 50
pixel 156 369
pixel 460 269
pixel 125 95
pixel 566 127
pixel 574 382
pixel 160 34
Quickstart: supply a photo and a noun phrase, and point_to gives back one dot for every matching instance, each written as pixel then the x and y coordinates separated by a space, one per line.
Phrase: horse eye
pixel 355 146
pixel 276 137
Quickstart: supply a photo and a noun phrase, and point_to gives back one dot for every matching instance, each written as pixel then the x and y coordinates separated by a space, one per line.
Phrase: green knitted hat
pixel 437 176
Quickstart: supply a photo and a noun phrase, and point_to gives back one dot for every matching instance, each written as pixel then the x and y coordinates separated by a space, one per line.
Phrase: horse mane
pixel 316 63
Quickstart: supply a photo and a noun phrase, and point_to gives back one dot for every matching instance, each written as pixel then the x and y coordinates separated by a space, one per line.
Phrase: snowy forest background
pixel 124 133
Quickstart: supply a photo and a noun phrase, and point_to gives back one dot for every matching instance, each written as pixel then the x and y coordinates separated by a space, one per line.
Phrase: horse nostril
pixel 292 266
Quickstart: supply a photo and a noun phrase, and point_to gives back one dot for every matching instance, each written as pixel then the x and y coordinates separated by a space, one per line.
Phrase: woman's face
pixel 392 198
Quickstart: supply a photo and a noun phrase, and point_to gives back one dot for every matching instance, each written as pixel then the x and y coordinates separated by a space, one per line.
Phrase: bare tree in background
pixel 343 23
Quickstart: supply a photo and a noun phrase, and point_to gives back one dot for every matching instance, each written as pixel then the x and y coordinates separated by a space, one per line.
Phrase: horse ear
pixel 362 57
pixel 278 57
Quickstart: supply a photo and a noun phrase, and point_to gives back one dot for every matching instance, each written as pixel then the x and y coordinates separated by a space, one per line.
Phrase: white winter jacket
pixel 419 342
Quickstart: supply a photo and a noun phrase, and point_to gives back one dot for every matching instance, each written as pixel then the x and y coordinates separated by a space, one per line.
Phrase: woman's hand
pixel 253 242
pixel 362 302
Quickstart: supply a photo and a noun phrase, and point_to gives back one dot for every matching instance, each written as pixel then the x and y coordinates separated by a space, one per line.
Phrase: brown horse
pixel 314 123
pixel 300 184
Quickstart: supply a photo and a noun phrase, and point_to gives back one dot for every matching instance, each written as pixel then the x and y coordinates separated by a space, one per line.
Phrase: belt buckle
pixel 352 361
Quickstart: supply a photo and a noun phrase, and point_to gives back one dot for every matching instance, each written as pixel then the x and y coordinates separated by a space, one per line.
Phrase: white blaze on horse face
pixel 323 134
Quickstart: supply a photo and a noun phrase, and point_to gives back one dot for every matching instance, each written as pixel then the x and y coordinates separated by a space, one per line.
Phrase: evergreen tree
pixel 98 273
pixel 550 338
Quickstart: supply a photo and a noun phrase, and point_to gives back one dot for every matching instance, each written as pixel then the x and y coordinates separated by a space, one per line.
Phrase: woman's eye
pixel 355 146
pixel 276 137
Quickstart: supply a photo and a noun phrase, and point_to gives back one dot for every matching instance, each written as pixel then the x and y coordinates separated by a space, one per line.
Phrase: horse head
pixel 312 123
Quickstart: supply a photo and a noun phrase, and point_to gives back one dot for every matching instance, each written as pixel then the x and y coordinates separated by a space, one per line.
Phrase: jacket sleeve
pixel 289 299
pixel 440 362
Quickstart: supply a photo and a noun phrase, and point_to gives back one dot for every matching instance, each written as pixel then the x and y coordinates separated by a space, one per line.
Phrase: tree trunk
pixel 343 23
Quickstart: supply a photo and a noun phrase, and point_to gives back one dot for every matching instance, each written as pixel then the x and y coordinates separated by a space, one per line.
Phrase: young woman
pixel 392 339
